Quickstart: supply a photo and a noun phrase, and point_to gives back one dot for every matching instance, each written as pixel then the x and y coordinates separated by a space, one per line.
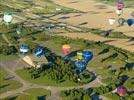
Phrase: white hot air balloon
pixel 119 12
pixel 111 21
pixel 7 18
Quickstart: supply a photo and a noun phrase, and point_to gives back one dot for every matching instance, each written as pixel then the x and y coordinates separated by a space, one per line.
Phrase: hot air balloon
pixel 39 52
pixel 120 5
pixel 66 49
pixel 7 18
pixel 120 0
pixel 111 21
pixel 119 12
pixel 87 56
pixel 79 55
pixel 122 91
pixel 130 22
pixel 121 21
pixel 106 33
pixel 18 30
pixel 24 48
pixel 80 65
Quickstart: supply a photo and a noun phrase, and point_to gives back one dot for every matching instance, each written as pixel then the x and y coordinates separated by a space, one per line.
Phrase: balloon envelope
pixel 39 52
pixel 121 90
pixel 120 5
pixel 111 21
pixel 66 49
pixel 121 21
pixel 130 22
pixel 24 48
pixel 18 31
pixel 7 17
pixel 81 66
pixel 87 56
pixel 79 55
pixel 119 12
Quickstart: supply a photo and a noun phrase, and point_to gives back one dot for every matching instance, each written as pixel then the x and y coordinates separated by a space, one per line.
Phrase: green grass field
pixel 7 85
pixel 30 94
pixel 24 74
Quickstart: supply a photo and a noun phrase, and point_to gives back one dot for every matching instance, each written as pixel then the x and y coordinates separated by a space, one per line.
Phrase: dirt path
pixel 96 15
pixel 5 38
pixel 120 43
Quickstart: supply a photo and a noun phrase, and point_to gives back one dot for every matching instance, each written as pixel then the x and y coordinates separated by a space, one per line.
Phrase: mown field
pixel 30 94
pixel 128 3
pixel 7 83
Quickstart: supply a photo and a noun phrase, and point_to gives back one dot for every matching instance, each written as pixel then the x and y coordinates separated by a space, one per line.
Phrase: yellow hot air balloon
pixel 79 55
pixel 66 49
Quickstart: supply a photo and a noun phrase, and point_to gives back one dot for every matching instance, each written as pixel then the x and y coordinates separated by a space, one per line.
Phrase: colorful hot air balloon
pixel 87 56
pixel 24 48
pixel 7 18
pixel 81 66
pixel 111 21
pixel 79 55
pixel 66 49
pixel 122 91
pixel 130 22
pixel 120 5
pixel 39 52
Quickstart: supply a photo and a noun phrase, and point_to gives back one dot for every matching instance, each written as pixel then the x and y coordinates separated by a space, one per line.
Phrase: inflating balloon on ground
pixel 39 52
pixel 24 48
pixel 87 56
pixel 81 66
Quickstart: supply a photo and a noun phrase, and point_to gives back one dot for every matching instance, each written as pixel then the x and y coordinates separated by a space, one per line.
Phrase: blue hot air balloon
pixel 80 65
pixel 87 56
pixel 130 22
pixel 39 52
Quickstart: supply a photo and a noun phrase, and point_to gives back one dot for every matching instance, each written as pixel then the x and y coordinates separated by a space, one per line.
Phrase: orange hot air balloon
pixel 66 49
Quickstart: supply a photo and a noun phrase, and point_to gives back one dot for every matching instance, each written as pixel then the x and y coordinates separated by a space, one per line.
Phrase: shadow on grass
pixel 41 97
pixel 13 98
pixel 131 40
pixel 109 57
pixel 50 56
pixel 129 66
pixel 84 23
pixel 3 86
pixel 106 50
